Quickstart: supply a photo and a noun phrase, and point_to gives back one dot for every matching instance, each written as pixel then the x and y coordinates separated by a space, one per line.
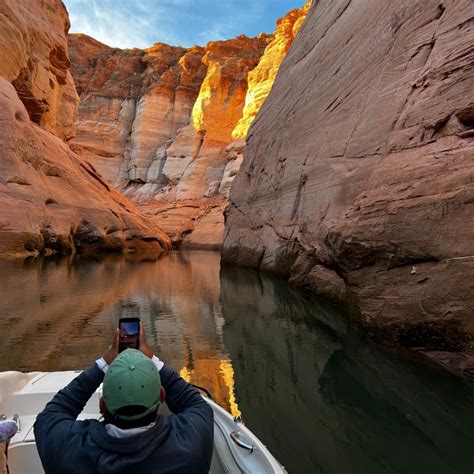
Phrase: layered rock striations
pixel 51 200
pixel 160 123
pixel 33 56
pixel 157 123
pixel 261 79
pixel 132 101
pixel 357 177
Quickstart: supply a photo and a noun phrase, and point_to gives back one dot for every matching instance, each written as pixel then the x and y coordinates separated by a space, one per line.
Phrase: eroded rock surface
pixel 52 201
pixel 34 58
pixel 160 123
pixel 360 163
pixel 260 80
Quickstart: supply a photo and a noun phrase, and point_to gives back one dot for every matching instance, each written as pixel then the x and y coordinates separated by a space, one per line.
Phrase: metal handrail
pixel 235 437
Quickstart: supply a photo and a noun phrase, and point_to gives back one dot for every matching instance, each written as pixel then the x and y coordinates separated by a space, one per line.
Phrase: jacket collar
pixel 117 432
pixel 144 441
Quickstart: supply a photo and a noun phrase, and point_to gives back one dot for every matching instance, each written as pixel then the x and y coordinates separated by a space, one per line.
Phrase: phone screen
pixel 129 330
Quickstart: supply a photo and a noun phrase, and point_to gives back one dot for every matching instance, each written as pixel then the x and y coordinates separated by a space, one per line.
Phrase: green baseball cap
pixel 132 379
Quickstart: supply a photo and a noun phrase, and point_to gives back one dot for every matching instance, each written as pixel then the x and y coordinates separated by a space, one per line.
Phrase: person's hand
pixel 144 347
pixel 112 351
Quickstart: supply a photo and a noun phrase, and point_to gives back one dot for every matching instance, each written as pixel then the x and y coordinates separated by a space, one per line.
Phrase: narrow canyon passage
pixel 322 398
pixel 289 212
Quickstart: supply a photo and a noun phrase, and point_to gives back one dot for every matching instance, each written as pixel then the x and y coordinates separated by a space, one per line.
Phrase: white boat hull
pixel 236 449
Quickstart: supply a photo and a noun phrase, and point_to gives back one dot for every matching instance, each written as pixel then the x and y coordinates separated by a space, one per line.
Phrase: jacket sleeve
pixel 180 395
pixel 195 413
pixel 58 417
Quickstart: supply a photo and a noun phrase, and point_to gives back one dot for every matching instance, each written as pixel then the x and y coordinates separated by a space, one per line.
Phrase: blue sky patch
pixel 140 23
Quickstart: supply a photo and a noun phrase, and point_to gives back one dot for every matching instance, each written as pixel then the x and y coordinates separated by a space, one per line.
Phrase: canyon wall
pixel 33 57
pixel 357 179
pixel 260 80
pixel 165 124
pixel 51 200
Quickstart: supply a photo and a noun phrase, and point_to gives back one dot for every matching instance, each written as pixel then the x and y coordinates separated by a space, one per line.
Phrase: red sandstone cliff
pixel 33 56
pixel 157 123
pixel 161 123
pixel 50 199
pixel 357 180
pixel 261 79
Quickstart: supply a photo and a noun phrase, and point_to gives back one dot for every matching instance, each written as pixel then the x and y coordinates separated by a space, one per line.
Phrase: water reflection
pixel 326 401
pixel 322 399
pixel 58 314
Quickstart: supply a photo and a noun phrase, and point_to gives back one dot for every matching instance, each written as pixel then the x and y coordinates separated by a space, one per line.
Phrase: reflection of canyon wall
pixel 160 123
pixel 177 297
pixel 323 400
pixel 357 176
pixel 50 200
pixel 64 312
pixel 53 310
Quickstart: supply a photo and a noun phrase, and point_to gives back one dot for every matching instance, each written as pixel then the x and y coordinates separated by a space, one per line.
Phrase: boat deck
pixel 26 395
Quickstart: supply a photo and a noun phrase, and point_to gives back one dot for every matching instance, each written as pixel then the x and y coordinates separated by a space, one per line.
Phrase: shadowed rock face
pixel 357 176
pixel 33 56
pixel 165 124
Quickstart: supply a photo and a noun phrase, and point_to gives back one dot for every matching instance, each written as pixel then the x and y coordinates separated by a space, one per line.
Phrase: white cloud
pixel 140 23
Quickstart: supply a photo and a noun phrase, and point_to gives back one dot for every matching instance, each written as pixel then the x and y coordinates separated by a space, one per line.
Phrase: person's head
pixel 132 391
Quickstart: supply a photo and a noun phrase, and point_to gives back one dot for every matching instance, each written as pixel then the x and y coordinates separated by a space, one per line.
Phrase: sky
pixel 140 23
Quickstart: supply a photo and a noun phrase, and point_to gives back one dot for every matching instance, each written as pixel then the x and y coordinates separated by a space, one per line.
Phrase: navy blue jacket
pixel 182 442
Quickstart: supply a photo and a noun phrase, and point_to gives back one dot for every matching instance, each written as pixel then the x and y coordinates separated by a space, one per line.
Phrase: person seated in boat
pixel 132 437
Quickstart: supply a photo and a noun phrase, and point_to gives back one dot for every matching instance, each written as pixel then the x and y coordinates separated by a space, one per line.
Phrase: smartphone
pixel 129 333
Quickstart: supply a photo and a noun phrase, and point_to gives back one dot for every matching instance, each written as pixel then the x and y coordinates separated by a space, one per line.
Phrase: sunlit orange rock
pixel 221 98
pixel 166 124
pixel 158 123
pixel 260 79
pixel 34 58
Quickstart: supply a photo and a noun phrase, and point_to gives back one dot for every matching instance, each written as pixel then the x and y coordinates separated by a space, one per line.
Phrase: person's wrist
pixel 148 352
pixel 102 364
pixel 112 352
pixel 158 363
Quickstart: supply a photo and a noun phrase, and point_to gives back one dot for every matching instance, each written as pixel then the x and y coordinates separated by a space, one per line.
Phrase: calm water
pixel 318 396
